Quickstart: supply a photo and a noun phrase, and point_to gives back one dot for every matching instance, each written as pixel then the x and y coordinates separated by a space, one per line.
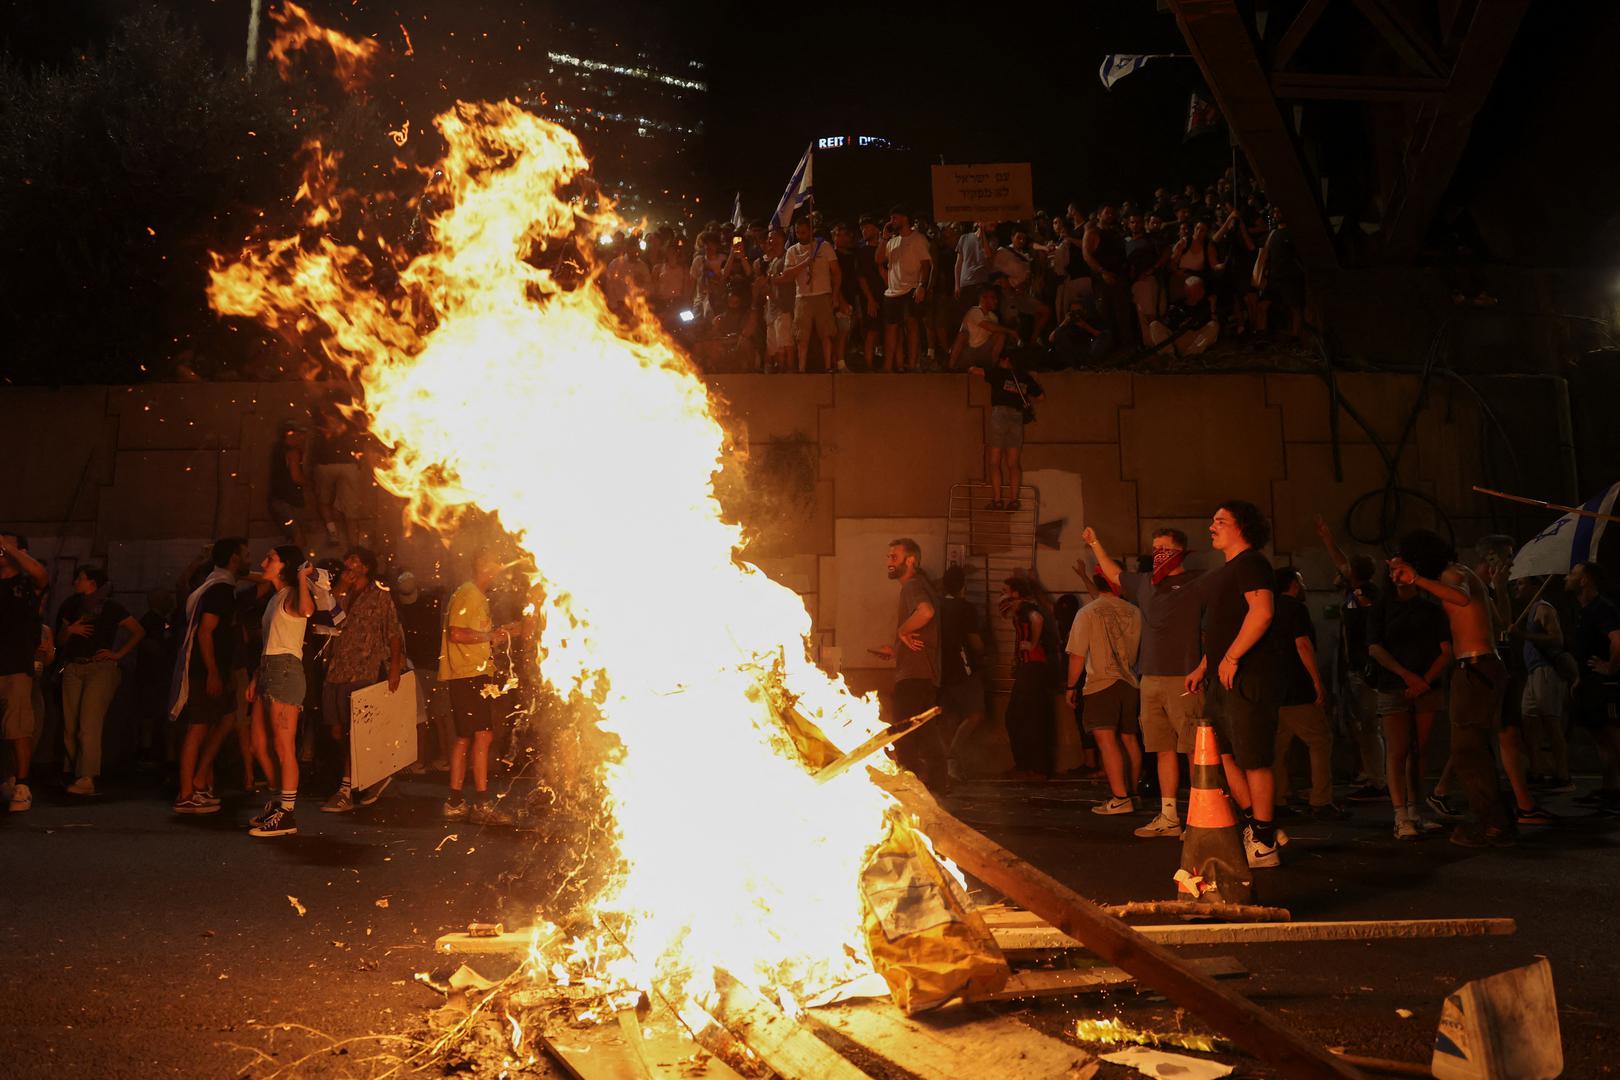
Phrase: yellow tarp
pixel 925 939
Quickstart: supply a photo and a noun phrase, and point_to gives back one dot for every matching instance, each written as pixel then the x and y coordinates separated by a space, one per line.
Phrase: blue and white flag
pixel 736 211
pixel 1116 66
pixel 800 190
pixel 1572 539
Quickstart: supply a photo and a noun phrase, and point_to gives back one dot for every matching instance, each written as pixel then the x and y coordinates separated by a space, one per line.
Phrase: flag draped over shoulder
pixel 800 190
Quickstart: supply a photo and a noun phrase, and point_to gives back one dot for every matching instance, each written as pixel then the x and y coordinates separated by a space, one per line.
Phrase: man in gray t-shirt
pixel 915 653
pixel 1172 646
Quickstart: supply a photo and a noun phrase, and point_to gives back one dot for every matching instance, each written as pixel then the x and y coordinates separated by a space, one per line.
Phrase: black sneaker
pixel 1597 800
pixel 1443 809
pixel 1535 816
pixel 279 822
pixel 1368 793
pixel 1329 812
pixel 263 815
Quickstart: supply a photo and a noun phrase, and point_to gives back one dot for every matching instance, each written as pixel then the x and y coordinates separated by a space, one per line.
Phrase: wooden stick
pixel 1545 505
pixel 1245 1023
pixel 873 745
pixel 1031 938
pixel 1066 982
pixel 1235 912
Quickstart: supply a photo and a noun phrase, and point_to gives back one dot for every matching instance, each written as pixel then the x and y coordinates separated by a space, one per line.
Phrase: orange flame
pixel 497 385
pixel 351 57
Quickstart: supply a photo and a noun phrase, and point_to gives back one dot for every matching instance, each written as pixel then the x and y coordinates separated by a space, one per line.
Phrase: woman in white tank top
pixel 278 686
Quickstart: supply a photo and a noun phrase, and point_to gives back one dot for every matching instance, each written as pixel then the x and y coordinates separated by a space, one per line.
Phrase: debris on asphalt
pixel 1160 1064
pixel 1114 1031
pixel 293 900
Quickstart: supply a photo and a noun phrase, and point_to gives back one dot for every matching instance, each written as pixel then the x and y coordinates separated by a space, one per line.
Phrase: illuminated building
pixel 635 96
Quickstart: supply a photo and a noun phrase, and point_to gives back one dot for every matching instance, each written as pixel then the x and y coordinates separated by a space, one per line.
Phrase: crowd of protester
pixel 1084 288
pixel 268 648
pixel 1518 666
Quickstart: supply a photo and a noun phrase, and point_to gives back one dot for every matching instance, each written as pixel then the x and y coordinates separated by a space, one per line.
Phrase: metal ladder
pixel 991 546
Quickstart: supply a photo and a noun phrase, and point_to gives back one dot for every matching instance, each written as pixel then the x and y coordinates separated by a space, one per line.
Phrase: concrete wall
pixel 139 477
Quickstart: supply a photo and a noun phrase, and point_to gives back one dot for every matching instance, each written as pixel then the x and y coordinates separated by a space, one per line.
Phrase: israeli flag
pixel 1116 66
pixel 1572 539
pixel 736 211
pixel 800 190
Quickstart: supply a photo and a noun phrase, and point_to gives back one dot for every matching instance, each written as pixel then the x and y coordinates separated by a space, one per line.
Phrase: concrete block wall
pixel 138 477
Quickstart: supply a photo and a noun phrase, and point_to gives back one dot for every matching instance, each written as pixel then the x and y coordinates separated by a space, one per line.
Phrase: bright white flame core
pixel 599 451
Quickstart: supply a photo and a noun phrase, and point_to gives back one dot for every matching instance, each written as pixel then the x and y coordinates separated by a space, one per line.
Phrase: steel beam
pixel 1225 51
pixel 1442 128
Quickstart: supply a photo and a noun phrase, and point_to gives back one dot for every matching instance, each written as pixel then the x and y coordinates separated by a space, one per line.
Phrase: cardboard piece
pixel 382 736
pixel 1158 1063
pixel 1504 1027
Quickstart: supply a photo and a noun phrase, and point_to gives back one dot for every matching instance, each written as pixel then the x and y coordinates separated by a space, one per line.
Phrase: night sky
pixel 1003 84
pixel 940 86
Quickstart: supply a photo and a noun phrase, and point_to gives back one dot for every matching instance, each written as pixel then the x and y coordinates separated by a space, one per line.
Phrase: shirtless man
pixel 1478 682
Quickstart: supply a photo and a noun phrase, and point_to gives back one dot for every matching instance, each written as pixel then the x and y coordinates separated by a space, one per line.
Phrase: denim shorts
pixel 281 679
pixel 1006 429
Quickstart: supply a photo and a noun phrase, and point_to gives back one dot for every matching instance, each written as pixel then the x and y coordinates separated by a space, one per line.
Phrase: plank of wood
pixel 786 1045
pixel 1028 938
pixel 606 1052
pixel 1200 909
pixel 1064 982
pixel 512 941
pixel 953 1044
pixel 1153 965
pixel 630 1035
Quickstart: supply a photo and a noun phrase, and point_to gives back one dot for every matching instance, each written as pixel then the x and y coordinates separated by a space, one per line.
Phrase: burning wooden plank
pixel 953 1044
pixel 1245 1023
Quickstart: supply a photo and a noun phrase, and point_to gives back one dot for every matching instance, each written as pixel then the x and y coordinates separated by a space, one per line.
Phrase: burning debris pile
pixel 500 386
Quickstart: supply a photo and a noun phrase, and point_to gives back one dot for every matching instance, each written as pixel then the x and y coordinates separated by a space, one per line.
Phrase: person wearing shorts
pixel 276 692
pixel 205 707
pixel 1172 645
pixel 1011 392
pixel 467 669
pixel 907 264
pixel 1104 643
pixel 1238 670
pixel 812 265
pixel 22 578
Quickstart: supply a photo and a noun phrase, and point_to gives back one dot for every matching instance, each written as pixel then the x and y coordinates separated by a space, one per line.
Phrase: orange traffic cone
pixel 1213 865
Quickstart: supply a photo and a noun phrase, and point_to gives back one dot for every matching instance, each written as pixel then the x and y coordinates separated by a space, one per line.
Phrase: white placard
pixel 382 730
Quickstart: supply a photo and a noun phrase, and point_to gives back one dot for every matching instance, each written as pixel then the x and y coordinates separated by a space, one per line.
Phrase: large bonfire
pixel 497 386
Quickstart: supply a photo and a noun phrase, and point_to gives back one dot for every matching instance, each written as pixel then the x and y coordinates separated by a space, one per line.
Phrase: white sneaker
pixel 1406 829
pixel 1125 805
pixel 21 798
pixel 1160 826
pixel 1262 856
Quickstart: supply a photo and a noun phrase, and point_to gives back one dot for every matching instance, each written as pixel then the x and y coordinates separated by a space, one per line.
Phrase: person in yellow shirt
pixel 467 668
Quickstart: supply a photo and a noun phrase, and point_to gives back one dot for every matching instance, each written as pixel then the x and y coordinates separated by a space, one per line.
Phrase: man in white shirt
pixel 812 265
pixel 1104 642
pixel 906 263
pixel 982 336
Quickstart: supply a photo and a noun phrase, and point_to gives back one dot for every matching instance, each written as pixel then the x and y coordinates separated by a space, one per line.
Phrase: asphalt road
pixel 142 945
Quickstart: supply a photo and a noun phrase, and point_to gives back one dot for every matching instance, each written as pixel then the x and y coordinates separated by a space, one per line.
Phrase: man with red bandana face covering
pixel 1171 647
